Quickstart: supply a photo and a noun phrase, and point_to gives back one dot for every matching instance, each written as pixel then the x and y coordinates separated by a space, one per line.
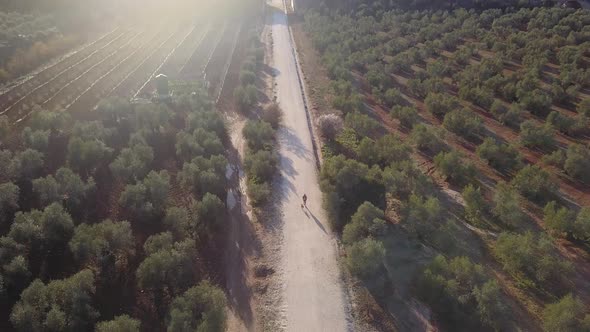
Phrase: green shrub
pixel 534 183
pixel 454 168
pixel 362 124
pixel 577 162
pixel 407 115
pixel 428 138
pixel 365 257
pixel 534 136
pixel 568 314
pixel 498 155
pixel 463 123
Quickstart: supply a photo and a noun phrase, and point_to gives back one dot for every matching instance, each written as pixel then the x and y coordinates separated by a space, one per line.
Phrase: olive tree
pixel 200 308
pixel 60 305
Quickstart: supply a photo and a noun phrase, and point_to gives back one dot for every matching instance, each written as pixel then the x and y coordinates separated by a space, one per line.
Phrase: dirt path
pixel 313 295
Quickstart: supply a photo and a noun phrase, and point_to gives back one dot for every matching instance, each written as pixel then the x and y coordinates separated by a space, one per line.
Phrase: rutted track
pixel 69 91
pixel 40 93
pixel 195 66
pixel 105 84
pixel 220 59
pixel 18 91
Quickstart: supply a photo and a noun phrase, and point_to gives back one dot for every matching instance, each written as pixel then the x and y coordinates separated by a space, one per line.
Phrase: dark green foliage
pixel 534 183
pixel 85 155
pixel 499 155
pixel 94 243
pixel 60 305
pixel 386 150
pixel 179 222
pixel 246 97
pixel 167 267
pixel 555 158
pixel 200 308
pixel 407 115
pixel 422 215
pixel 440 104
pixel 577 162
pixel 48 228
pixel 122 323
pixel 368 220
pixel 147 199
pixel 66 187
pixel 133 163
pixel 258 192
pixel 566 124
pixel 53 121
pixel 26 164
pixel 558 219
pixel 259 135
pixel 362 124
pixel 14 267
pixel 200 143
pixel 393 97
pixel 428 138
pixel 463 123
pixel 210 212
pixel 203 175
pixel 507 205
pixel 8 200
pixel 534 136
pixel 475 205
pixel 365 257
pixel 528 256
pixel 261 165
pixel 207 120
pixel 454 167
pixel 404 178
pixel 457 289
pixel 347 184
pixel 581 227
pixel 37 140
pixel 567 314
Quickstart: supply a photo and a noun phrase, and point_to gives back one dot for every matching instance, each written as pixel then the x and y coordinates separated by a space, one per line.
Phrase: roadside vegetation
pixel 113 223
pixel 464 131
pixel 261 158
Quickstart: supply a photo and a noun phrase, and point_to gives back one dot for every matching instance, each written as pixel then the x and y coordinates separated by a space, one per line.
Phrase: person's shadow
pixel 310 215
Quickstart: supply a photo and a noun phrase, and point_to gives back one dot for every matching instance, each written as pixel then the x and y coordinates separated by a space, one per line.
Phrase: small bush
pixel 534 183
pixel 463 123
pixel 273 115
pixel 454 168
pixel 534 136
pixel 407 115
pixel 577 162
pixel 330 126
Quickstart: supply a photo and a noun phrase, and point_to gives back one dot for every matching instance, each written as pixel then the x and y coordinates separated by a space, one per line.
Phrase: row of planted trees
pixel 432 61
pixel 120 231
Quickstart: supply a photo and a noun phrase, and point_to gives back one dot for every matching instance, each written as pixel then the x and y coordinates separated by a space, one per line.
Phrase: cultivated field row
pixel 122 63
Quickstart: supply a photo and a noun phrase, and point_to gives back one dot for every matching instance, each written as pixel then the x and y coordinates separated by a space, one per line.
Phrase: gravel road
pixel 313 294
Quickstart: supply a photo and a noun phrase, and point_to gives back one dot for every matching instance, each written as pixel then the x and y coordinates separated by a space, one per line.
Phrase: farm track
pixel 195 66
pixel 21 89
pixel 39 93
pixel 218 65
